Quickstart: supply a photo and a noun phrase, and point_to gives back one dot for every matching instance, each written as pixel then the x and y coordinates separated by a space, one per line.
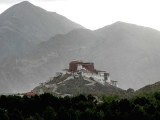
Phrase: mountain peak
pixel 25 2
pixel 22 9
pixel 121 23
pixel 22 6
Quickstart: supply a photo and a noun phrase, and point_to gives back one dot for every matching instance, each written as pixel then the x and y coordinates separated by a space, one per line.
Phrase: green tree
pixel 141 101
pixel 100 115
pixel 138 113
pixel 49 113
pixel 3 115
pixel 108 99
pixel 157 95
pixel 88 114
pixel 16 115
pixel 37 117
pixel 30 118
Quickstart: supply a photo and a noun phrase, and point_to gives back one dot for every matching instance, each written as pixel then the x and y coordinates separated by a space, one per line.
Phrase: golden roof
pixel 74 60
pixel 80 61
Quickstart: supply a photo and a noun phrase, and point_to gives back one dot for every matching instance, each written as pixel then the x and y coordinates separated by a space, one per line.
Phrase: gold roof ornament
pixel 74 60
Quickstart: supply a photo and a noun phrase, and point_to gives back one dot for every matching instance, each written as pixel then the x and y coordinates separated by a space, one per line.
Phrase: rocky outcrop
pixel 68 84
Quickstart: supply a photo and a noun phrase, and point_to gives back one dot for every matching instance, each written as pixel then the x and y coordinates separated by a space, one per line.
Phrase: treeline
pixel 49 107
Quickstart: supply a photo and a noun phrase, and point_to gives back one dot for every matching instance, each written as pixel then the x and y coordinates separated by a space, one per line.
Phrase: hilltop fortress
pixel 80 78
pixel 86 69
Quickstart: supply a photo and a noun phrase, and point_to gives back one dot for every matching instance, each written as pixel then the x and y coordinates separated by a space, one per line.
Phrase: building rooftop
pixel 30 94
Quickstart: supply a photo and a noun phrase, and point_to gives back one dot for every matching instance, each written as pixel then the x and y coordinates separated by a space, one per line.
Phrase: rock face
pixel 68 84
pixel 24 25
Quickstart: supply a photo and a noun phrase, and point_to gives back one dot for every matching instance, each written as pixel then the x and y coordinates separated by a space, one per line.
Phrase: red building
pixel 30 94
pixel 88 66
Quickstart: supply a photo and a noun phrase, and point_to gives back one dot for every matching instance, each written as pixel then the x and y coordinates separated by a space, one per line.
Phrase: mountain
pixel 132 56
pixel 24 25
pixel 20 74
pixel 130 53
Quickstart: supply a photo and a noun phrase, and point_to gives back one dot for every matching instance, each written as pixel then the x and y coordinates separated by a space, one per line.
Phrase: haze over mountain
pixel 24 25
pixel 127 51
pixel 24 73
pixel 132 56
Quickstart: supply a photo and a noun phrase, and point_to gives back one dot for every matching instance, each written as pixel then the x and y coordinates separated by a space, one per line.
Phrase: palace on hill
pixel 86 69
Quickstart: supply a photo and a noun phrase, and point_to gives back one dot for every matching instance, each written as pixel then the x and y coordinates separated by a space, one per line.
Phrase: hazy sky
pixel 95 14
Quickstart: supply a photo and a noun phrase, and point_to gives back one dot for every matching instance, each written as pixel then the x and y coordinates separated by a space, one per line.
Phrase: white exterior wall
pixel 79 67
pixel 99 79
pixel 114 83
pixel 109 79
pixel 101 73
pixel 96 77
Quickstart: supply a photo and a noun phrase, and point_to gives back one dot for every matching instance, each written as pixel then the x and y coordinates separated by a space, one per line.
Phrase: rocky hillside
pixel 67 84
pixel 149 88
